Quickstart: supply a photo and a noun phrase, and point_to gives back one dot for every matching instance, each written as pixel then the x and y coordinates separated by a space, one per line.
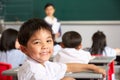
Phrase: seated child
pixel 99 45
pixel 57 48
pixel 72 52
pixel 36 39
pixel 8 48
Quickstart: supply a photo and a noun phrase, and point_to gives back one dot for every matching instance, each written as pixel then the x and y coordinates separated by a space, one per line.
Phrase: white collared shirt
pixel 71 55
pixel 32 70
pixel 54 23
pixel 14 57
pixel 109 52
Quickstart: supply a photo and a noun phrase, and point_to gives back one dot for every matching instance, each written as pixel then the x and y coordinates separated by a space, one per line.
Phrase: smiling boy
pixel 36 39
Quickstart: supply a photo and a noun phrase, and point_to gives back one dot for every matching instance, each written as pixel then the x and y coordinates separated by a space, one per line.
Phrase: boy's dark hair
pixel 49 4
pixel 30 27
pixel 71 39
pixel 99 43
pixel 8 39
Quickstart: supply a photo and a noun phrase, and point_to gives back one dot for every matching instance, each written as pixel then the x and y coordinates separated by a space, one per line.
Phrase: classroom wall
pixel 112 32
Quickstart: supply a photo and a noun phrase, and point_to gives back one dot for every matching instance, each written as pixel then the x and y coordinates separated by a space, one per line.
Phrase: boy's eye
pixel 49 41
pixel 36 42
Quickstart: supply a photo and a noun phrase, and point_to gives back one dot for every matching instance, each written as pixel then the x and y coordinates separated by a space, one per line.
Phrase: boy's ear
pixel 23 49
pixel 79 47
pixel 62 45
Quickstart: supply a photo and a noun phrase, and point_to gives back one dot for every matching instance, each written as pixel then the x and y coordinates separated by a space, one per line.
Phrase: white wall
pixel 112 32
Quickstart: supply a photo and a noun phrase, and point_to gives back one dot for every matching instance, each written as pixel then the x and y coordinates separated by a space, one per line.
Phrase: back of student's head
pixel 99 42
pixel 71 39
pixel 30 27
pixel 8 39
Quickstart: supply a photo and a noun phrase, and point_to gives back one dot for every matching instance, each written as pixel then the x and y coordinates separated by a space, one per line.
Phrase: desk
pixel 106 61
pixel 102 60
pixel 86 74
pixel 11 72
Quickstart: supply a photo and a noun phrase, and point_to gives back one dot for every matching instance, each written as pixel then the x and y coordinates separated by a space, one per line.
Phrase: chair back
pixel 3 67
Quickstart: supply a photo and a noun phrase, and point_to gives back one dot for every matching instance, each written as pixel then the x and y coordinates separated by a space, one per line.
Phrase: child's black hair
pixel 99 43
pixel 71 39
pixel 8 40
pixel 49 4
pixel 30 27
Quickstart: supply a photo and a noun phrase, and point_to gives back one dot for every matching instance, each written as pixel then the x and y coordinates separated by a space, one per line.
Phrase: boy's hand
pixel 101 71
pixel 68 78
pixel 117 50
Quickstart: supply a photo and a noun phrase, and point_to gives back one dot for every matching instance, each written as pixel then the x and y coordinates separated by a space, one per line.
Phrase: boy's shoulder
pixel 33 64
pixel 35 67
pixel 72 50
pixel 83 51
pixel 32 69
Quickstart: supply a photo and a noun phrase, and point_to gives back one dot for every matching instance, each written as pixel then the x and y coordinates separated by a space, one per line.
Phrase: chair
pixel 3 67
pixel 111 72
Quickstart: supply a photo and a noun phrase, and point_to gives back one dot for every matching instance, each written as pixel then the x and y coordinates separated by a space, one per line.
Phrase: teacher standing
pixel 52 20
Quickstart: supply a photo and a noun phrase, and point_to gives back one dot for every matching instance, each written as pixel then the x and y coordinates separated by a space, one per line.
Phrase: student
pixel 57 48
pixel 99 45
pixel 52 20
pixel 36 39
pixel 8 51
pixel 72 52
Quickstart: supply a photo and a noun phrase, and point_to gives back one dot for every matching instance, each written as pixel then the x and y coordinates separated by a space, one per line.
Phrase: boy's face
pixel 50 11
pixel 40 46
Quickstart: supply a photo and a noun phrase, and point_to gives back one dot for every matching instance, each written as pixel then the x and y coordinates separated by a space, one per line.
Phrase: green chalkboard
pixel 18 10
pixel 74 10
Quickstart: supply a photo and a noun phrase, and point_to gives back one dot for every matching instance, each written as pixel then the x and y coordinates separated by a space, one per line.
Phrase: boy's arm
pixel 76 67
pixel 117 51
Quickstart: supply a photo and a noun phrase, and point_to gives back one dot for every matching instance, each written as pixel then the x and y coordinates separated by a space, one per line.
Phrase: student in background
pixel 36 39
pixel 52 20
pixel 72 52
pixel 99 45
pixel 8 51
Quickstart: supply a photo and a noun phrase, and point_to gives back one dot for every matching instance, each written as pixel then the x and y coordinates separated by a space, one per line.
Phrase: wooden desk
pixel 86 74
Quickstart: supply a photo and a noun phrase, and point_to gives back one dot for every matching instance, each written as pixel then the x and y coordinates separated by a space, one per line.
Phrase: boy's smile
pixel 40 46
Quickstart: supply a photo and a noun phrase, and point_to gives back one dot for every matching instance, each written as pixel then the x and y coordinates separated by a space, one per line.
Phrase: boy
pixel 36 39
pixel 52 20
pixel 72 52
